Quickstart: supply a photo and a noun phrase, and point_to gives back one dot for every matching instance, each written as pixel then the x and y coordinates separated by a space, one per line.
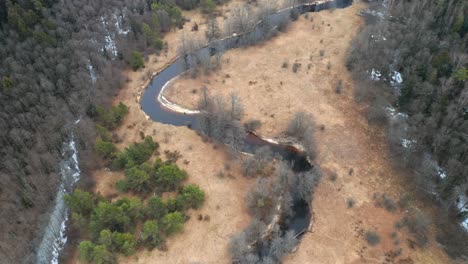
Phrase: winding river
pixel 163 111
pixel 159 109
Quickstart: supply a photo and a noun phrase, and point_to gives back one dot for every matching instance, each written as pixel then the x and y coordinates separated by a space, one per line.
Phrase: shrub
pixel 333 176
pixel 156 208
pixel 388 203
pixel 294 15
pixel 124 242
pixel 137 61
pixel 105 149
pixel 372 238
pixel 208 6
pixel 109 216
pixel 121 242
pixel 80 202
pixel 103 133
pixel 193 196
pixel 322 53
pixel 252 125
pixel 296 67
pixel 137 179
pixel 135 154
pixel 418 224
pixel 260 199
pixel 350 202
pixel 86 249
pixel 175 204
pixel 339 87
pixel 173 222
pixel 151 234
pixel 404 201
pixel 169 177
pixel 300 125
pixel 102 256
pixel 110 118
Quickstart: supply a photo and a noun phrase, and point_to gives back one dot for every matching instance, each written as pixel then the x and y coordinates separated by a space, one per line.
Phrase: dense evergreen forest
pixel 411 63
pixel 59 61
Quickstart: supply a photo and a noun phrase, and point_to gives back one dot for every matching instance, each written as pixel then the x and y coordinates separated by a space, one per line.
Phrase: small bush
pixel 372 238
pixel 135 154
pixel 329 66
pixel 376 115
pixel 418 224
pixel 105 149
pixel 109 118
pixel 151 234
pixel 137 61
pixel 333 176
pixel 156 208
pixel 350 202
pixel 294 15
pixel 284 65
pixel 322 53
pixel 173 222
pixel 339 87
pixel 404 201
pixel 388 203
pixel 296 67
pixel 193 196
pixel 252 125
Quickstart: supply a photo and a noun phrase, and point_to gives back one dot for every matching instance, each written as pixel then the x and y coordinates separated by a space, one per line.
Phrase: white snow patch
pixel 378 37
pixel 392 112
pixel 110 45
pixel 395 78
pixel 407 143
pixel 92 73
pixel 441 172
pixel 118 25
pixel 375 75
pixel 55 236
pixel 462 207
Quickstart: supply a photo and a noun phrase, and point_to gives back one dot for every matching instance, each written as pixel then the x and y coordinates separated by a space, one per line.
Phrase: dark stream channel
pixel 159 113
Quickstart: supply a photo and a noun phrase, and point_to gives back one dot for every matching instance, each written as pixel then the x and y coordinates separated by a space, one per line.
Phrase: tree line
pixel 412 67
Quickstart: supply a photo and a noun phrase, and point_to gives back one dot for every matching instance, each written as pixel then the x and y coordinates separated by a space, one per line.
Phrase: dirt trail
pixel 273 93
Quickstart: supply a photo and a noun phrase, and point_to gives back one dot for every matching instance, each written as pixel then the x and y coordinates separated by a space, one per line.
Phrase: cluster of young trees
pixel 419 52
pixel 146 178
pixel 302 128
pixel 110 226
pixel 220 120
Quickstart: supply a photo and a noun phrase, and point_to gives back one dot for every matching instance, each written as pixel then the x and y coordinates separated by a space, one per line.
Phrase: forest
pixel 60 62
pixel 411 66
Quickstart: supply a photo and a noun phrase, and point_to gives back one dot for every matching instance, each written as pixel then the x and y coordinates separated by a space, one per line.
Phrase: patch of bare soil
pixel 272 91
